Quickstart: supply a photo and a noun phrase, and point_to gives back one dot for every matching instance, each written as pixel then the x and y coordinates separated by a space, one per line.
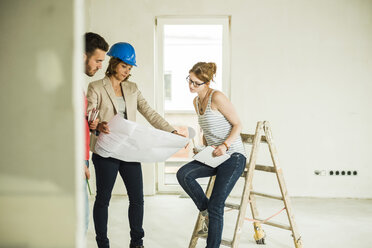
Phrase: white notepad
pixel 206 157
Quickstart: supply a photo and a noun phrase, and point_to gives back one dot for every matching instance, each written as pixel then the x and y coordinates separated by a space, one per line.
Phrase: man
pixel 95 52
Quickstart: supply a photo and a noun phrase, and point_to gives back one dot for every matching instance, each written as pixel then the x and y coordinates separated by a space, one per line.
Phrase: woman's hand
pixel 93 124
pixel 103 127
pixel 219 150
pixel 195 150
pixel 180 134
pixel 198 149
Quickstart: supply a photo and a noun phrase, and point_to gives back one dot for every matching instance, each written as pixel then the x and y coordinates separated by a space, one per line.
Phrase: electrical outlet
pixel 336 173
pixel 343 173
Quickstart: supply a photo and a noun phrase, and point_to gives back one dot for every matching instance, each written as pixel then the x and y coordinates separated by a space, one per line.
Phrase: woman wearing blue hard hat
pixel 112 95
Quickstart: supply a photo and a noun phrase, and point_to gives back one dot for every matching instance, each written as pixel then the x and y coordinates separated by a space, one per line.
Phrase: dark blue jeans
pixel 106 171
pixel 227 174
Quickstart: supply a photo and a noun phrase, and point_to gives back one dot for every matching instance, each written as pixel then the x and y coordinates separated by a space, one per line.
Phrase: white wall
pixel 37 150
pixel 303 65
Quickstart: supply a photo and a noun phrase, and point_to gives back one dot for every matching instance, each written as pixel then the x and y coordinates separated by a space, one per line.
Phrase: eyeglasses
pixel 188 79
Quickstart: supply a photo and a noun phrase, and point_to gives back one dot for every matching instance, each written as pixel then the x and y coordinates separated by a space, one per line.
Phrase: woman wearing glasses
pixel 221 129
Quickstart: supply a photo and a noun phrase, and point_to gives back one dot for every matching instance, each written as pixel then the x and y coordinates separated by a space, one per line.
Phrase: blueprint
pixel 133 142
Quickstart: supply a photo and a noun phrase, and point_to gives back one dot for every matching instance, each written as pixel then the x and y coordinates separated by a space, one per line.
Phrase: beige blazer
pixel 101 96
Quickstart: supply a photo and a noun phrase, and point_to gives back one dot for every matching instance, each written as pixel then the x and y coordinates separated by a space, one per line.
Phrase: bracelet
pixel 174 131
pixel 227 147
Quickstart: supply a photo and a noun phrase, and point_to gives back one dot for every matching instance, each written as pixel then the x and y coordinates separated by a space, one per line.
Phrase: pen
pixel 90 192
pixel 95 115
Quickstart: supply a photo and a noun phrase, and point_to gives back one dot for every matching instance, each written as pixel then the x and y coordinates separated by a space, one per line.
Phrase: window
pixel 185 45
pixel 180 43
pixel 168 86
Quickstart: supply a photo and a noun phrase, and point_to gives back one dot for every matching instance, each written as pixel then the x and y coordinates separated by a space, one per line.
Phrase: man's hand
pixel 103 127
pixel 93 124
pixel 87 173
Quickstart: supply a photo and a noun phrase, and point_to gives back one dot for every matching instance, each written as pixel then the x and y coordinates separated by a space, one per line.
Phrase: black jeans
pixel 106 172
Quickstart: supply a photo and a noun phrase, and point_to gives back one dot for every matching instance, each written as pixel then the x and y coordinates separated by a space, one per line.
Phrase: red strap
pixel 263 221
pixel 260 221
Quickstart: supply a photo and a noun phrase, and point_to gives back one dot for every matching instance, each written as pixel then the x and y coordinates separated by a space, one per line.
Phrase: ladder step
pixel 232 206
pixel 225 242
pixel 265 168
pixel 259 167
pixel 276 224
pixel 267 195
pixel 248 138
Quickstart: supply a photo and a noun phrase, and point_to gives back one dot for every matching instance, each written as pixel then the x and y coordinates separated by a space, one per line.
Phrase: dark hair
pixel 94 41
pixel 204 71
pixel 113 63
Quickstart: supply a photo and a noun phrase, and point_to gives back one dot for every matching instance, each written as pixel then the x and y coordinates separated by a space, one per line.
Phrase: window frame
pixel 160 22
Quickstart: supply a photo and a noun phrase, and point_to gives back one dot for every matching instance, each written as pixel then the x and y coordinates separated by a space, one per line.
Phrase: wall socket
pixel 336 173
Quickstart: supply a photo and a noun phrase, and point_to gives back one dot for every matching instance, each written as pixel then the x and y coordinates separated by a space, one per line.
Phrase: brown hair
pixel 204 71
pixel 113 63
pixel 94 41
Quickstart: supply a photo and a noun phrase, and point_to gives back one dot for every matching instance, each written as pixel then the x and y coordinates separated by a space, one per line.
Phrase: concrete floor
pixel 169 221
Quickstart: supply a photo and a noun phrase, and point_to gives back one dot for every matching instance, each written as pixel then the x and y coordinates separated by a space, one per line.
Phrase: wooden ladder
pixel 262 135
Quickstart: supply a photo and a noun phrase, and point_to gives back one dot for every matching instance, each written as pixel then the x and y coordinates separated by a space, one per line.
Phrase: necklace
pixel 203 101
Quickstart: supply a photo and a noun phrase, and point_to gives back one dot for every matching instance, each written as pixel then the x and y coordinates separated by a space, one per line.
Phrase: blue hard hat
pixel 123 51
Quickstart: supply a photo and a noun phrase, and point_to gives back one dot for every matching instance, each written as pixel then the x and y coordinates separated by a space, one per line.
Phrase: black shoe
pixel 136 246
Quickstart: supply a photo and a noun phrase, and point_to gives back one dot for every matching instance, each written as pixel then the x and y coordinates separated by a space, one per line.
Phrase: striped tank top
pixel 216 128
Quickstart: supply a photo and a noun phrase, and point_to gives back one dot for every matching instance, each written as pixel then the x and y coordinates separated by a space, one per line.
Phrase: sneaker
pixel 204 229
pixel 136 246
